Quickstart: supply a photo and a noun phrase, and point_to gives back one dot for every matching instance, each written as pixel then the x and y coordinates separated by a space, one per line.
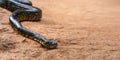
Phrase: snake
pixel 23 10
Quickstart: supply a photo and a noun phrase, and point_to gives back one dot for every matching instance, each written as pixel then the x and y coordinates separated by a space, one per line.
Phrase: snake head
pixel 50 44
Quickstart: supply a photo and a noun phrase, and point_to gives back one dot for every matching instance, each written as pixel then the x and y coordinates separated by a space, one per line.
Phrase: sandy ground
pixel 84 29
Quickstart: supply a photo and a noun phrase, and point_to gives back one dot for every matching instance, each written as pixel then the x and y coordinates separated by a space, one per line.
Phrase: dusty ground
pixel 84 29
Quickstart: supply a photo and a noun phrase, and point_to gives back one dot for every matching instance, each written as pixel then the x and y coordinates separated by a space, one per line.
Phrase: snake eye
pixel 51 44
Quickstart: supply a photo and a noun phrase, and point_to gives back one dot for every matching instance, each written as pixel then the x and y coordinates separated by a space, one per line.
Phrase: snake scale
pixel 22 10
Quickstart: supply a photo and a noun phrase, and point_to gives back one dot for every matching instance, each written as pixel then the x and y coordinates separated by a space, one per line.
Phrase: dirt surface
pixel 84 29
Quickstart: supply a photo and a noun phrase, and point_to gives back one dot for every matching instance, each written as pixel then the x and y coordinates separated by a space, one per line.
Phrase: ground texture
pixel 84 29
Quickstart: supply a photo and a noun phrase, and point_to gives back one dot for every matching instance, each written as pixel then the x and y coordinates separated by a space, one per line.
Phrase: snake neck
pixel 32 35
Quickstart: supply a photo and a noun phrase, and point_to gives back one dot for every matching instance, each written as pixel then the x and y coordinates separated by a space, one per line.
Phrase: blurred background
pixel 84 29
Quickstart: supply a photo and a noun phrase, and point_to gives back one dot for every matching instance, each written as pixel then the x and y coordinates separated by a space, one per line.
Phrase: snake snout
pixel 51 44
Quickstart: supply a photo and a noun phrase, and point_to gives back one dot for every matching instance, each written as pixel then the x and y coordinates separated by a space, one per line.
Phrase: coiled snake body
pixel 22 11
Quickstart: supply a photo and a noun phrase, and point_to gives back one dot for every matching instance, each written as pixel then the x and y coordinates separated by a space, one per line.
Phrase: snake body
pixel 23 11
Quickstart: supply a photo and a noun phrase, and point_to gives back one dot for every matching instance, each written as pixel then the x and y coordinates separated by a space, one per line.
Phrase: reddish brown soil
pixel 84 29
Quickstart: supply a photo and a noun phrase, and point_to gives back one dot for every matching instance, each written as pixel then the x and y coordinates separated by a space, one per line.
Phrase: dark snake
pixel 24 11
